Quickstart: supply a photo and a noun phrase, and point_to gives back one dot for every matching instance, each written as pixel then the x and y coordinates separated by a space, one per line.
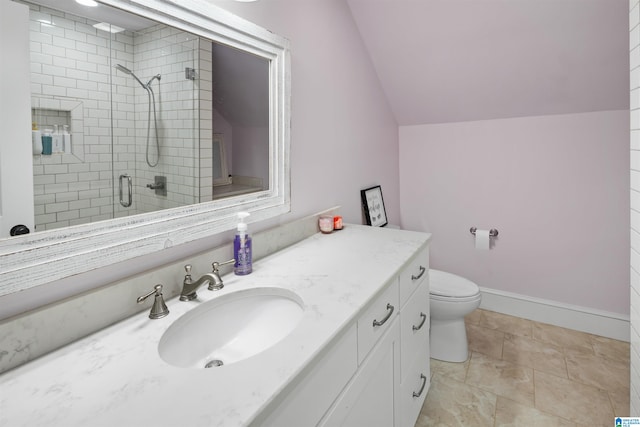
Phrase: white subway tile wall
pixel 634 46
pixel 74 62
pixel 69 61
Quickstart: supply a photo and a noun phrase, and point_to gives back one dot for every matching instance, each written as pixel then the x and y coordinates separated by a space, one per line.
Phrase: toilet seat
pixel 447 286
pixel 475 297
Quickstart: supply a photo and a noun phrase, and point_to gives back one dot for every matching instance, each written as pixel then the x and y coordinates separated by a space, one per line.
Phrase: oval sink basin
pixel 231 328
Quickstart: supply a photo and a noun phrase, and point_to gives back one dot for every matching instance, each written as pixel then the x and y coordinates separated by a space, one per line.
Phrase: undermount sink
pixel 231 328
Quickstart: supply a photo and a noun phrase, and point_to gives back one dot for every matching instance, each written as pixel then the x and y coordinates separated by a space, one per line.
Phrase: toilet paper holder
pixel 493 232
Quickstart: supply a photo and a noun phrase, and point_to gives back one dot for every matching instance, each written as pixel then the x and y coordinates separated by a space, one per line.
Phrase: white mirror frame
pixel 35 259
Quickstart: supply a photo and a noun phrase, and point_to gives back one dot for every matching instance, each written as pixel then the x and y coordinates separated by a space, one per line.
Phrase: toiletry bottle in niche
pixel 242 248
pixel 66 139
pixel 56 143
pixel 47 142
pixel 36 139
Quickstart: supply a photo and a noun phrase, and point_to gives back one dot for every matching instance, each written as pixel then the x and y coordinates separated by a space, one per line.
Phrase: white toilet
pixel 451 298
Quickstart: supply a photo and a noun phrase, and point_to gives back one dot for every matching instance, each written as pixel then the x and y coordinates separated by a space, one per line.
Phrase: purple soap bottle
pixel 242 248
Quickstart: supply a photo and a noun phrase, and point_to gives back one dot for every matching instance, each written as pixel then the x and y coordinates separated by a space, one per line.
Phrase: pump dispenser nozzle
pixel 242 226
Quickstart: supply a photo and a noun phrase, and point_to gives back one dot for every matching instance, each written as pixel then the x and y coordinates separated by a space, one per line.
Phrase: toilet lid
pixel 449 285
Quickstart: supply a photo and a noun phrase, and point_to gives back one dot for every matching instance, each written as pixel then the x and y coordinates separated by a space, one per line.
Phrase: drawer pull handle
pixel 424 383
pixel 424 319
pixel 422 270
pixel 383 321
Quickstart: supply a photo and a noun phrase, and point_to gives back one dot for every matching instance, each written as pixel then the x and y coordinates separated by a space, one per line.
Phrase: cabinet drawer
pixel 376 320
pixel 413 275
pixel 414 324
pixel 413 391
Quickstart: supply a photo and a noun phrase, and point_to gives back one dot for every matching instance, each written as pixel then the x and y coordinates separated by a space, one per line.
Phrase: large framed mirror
pixel 185 124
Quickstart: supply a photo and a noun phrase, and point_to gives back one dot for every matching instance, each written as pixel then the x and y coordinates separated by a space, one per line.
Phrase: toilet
pixel 451 299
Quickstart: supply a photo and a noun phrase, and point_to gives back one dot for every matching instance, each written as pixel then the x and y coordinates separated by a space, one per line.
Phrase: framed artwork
pixel 373 206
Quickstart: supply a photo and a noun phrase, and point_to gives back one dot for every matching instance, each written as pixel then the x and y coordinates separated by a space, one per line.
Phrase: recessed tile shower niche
pixel 65 114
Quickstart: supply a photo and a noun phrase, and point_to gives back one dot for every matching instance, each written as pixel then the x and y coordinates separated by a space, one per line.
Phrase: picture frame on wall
pixel 373 205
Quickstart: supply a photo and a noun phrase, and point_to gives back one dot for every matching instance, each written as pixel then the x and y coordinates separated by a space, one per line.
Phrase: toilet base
pixel 448 340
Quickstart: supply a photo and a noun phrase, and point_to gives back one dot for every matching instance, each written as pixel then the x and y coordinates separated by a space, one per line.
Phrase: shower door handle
pixel 129 190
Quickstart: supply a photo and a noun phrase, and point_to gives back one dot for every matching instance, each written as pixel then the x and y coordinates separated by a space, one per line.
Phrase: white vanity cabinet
pixel 335 368
pixel 381 363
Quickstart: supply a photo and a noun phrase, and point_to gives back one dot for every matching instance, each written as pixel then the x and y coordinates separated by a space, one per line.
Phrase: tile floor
pixel 525 373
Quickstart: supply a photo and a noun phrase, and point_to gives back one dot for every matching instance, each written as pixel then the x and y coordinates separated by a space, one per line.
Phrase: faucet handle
pixel 217 284
pixel 216 265
pixel 187 276
pixel 159 308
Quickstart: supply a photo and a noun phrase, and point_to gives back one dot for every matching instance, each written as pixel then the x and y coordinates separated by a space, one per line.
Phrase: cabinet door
pixel 308 400
pixel 369 399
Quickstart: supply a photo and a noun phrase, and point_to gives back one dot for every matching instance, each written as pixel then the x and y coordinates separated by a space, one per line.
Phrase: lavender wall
pixel 556 187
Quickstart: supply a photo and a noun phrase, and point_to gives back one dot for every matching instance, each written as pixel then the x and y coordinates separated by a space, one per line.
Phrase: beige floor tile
pixel 597 371
pixel 571 400
pixel 484 340
pixel 514 414
pixel 536 374
pixel 505 323
pixel 611 349
pixel 565 338
pixel 456 371
pixel 534 354
pixel 501 378
pixel 453 403
pixel 620 402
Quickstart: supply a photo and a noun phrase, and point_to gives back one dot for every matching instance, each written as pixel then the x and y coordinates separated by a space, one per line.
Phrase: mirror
pixel 135 106
pixel 204 106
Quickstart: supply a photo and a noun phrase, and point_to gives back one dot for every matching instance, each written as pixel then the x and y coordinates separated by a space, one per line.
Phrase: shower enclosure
pixel 126 135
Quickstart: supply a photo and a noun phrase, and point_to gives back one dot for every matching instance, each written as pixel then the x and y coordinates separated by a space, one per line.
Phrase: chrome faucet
pixel 189 287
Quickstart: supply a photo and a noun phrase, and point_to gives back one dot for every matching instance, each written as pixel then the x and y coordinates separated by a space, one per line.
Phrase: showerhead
pixel 156 77
pixel 124 69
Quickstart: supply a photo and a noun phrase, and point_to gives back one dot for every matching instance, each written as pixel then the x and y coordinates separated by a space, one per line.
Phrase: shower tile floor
pixel 525 373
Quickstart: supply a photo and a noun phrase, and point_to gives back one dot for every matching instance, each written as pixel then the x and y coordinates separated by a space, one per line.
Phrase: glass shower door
pixel 155 126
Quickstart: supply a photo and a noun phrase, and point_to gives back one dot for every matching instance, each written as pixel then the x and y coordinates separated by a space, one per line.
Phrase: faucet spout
pixel 189 286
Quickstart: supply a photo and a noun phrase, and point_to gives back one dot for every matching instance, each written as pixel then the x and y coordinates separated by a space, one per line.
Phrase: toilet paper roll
pixel 483 240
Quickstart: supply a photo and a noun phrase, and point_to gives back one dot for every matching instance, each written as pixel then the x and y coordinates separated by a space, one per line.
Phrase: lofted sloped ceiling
pixel 459 60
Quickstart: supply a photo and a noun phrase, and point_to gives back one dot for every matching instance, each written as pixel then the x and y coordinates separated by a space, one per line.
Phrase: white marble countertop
pixel 115 377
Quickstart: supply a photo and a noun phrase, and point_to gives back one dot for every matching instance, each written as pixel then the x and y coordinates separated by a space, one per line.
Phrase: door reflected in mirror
pixel 240 121
pixel 142 99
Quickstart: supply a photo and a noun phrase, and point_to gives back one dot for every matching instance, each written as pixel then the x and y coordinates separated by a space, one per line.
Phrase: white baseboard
pixel 597 322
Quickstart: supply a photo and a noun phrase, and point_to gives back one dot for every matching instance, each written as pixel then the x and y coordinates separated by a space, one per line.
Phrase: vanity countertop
pixel 115 377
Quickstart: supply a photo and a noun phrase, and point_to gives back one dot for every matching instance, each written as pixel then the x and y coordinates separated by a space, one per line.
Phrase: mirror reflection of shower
pixel 152 105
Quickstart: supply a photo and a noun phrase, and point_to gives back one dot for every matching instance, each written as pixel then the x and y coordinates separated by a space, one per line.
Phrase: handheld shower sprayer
pixel 151 97
pixel 124 69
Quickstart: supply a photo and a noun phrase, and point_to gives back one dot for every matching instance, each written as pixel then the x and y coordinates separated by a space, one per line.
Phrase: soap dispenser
pixel 242 247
